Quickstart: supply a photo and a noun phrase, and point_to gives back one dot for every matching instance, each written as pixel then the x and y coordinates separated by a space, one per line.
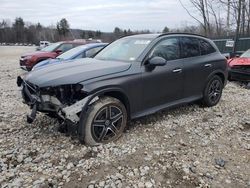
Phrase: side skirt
pixel 165 106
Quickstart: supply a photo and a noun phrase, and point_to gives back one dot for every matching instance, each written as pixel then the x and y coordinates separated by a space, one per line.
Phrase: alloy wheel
pixel 107 123
pixel 215 90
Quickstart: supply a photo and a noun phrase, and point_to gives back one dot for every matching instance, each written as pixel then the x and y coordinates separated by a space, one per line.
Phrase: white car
pixel 43 44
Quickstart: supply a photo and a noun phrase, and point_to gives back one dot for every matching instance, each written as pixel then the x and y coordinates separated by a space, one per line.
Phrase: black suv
pixel 132 77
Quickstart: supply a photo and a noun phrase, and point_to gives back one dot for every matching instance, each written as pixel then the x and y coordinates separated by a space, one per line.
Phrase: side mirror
pixel 58 51
pixel 157 61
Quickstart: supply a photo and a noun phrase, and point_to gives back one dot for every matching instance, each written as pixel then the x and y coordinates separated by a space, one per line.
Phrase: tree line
pixel 25 32
pixel 216 19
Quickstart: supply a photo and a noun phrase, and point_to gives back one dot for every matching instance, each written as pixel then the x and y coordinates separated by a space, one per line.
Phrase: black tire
pixel 105 121
pixel 213 91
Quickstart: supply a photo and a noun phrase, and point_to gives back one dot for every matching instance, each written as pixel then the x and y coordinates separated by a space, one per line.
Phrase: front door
pixel 163 84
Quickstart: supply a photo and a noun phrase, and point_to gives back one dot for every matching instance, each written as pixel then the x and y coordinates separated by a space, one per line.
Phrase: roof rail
pixel 176 33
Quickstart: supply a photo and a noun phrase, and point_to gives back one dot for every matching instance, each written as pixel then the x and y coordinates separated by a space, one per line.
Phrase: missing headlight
pixel 66 94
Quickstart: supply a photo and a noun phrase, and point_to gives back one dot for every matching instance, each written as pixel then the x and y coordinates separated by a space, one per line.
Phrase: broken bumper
pixel 239 75
pixel 49 104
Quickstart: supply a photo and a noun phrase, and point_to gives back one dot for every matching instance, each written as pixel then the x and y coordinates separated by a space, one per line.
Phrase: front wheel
pixel 213 91
pixel 105 122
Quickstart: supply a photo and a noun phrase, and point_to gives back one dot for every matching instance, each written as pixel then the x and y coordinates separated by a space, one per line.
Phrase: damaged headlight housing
pixel 66 94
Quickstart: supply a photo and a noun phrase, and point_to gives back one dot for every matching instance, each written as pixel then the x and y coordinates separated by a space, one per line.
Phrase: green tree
pixel 18 27
pixel 62 27
pixel 165 30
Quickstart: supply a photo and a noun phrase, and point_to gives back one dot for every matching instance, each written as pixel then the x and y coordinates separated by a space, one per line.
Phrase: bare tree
pixel 238 25
pixel 202 7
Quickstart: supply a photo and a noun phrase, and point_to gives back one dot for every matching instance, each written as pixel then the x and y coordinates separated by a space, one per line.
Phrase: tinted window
pixel 71 53
pixel 65 47
pixel 190 47
pixel 51 47
pixel 206 47
pixel 168 49
pixel 93 51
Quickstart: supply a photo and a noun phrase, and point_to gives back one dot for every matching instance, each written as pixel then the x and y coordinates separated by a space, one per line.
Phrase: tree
pixel 39 27
pixel 125 33
pixel 118 32
pixel 3 24
pixel 90 34
pixel 83 35
pixel 165 30
pixel 62 27
pixel 98 34
pixel 18 27
pixel 238 26
pixel 202 7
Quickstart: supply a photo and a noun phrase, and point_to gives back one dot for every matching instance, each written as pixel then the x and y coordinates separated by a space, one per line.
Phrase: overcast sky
pixel 101 15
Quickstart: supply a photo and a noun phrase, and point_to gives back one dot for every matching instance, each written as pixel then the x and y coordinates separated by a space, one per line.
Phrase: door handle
pixel 208 65
pixel 178 70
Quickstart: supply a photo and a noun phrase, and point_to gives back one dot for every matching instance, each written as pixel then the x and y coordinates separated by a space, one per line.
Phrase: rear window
pixel 190 47
pixel 206 47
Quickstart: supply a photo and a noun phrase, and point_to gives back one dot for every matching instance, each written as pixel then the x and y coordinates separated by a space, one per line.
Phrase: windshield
pixel 125 49
pixel 51 47
pixel 70 53
pixel 246 54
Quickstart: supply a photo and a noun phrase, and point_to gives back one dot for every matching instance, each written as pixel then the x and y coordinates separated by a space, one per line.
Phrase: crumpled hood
pixel 75 72
pixel 239 61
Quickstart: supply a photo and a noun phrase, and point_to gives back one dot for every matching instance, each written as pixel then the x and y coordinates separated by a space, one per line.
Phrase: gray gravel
pixel 185 147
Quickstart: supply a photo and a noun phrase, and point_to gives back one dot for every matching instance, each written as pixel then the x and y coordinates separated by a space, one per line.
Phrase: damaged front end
pixel 64 102
pixel 240 73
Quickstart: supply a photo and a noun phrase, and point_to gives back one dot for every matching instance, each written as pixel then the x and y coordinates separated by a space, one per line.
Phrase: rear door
pixel 197 65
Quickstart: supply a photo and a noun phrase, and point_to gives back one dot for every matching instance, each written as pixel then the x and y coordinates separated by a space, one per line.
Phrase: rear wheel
pixel 213 91
pixel 105 122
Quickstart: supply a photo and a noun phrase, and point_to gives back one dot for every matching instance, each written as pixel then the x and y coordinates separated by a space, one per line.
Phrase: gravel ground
pixel 184 147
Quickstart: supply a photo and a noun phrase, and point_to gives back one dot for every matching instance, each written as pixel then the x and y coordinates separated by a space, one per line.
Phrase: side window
pixel 93 51
pixel 65 47
pixel 206 47
pixel 81 55
pixel 168 49
pixel 190 47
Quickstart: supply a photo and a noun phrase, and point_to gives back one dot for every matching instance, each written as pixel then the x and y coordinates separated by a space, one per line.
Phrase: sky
pixel 102 15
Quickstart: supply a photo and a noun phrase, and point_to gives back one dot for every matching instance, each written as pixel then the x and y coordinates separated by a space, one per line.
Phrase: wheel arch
pixel 112 92
pixel 222 76
pixel 219 73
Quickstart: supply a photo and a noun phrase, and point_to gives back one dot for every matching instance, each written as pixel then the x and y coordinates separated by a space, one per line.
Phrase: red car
pixel 239 68
pixel 27 61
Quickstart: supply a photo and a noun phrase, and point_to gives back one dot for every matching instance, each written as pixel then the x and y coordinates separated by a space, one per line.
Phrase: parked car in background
pixel 130 78
pixel 43 44
pixel 239 67
pixel 87 50
pixel 27 61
